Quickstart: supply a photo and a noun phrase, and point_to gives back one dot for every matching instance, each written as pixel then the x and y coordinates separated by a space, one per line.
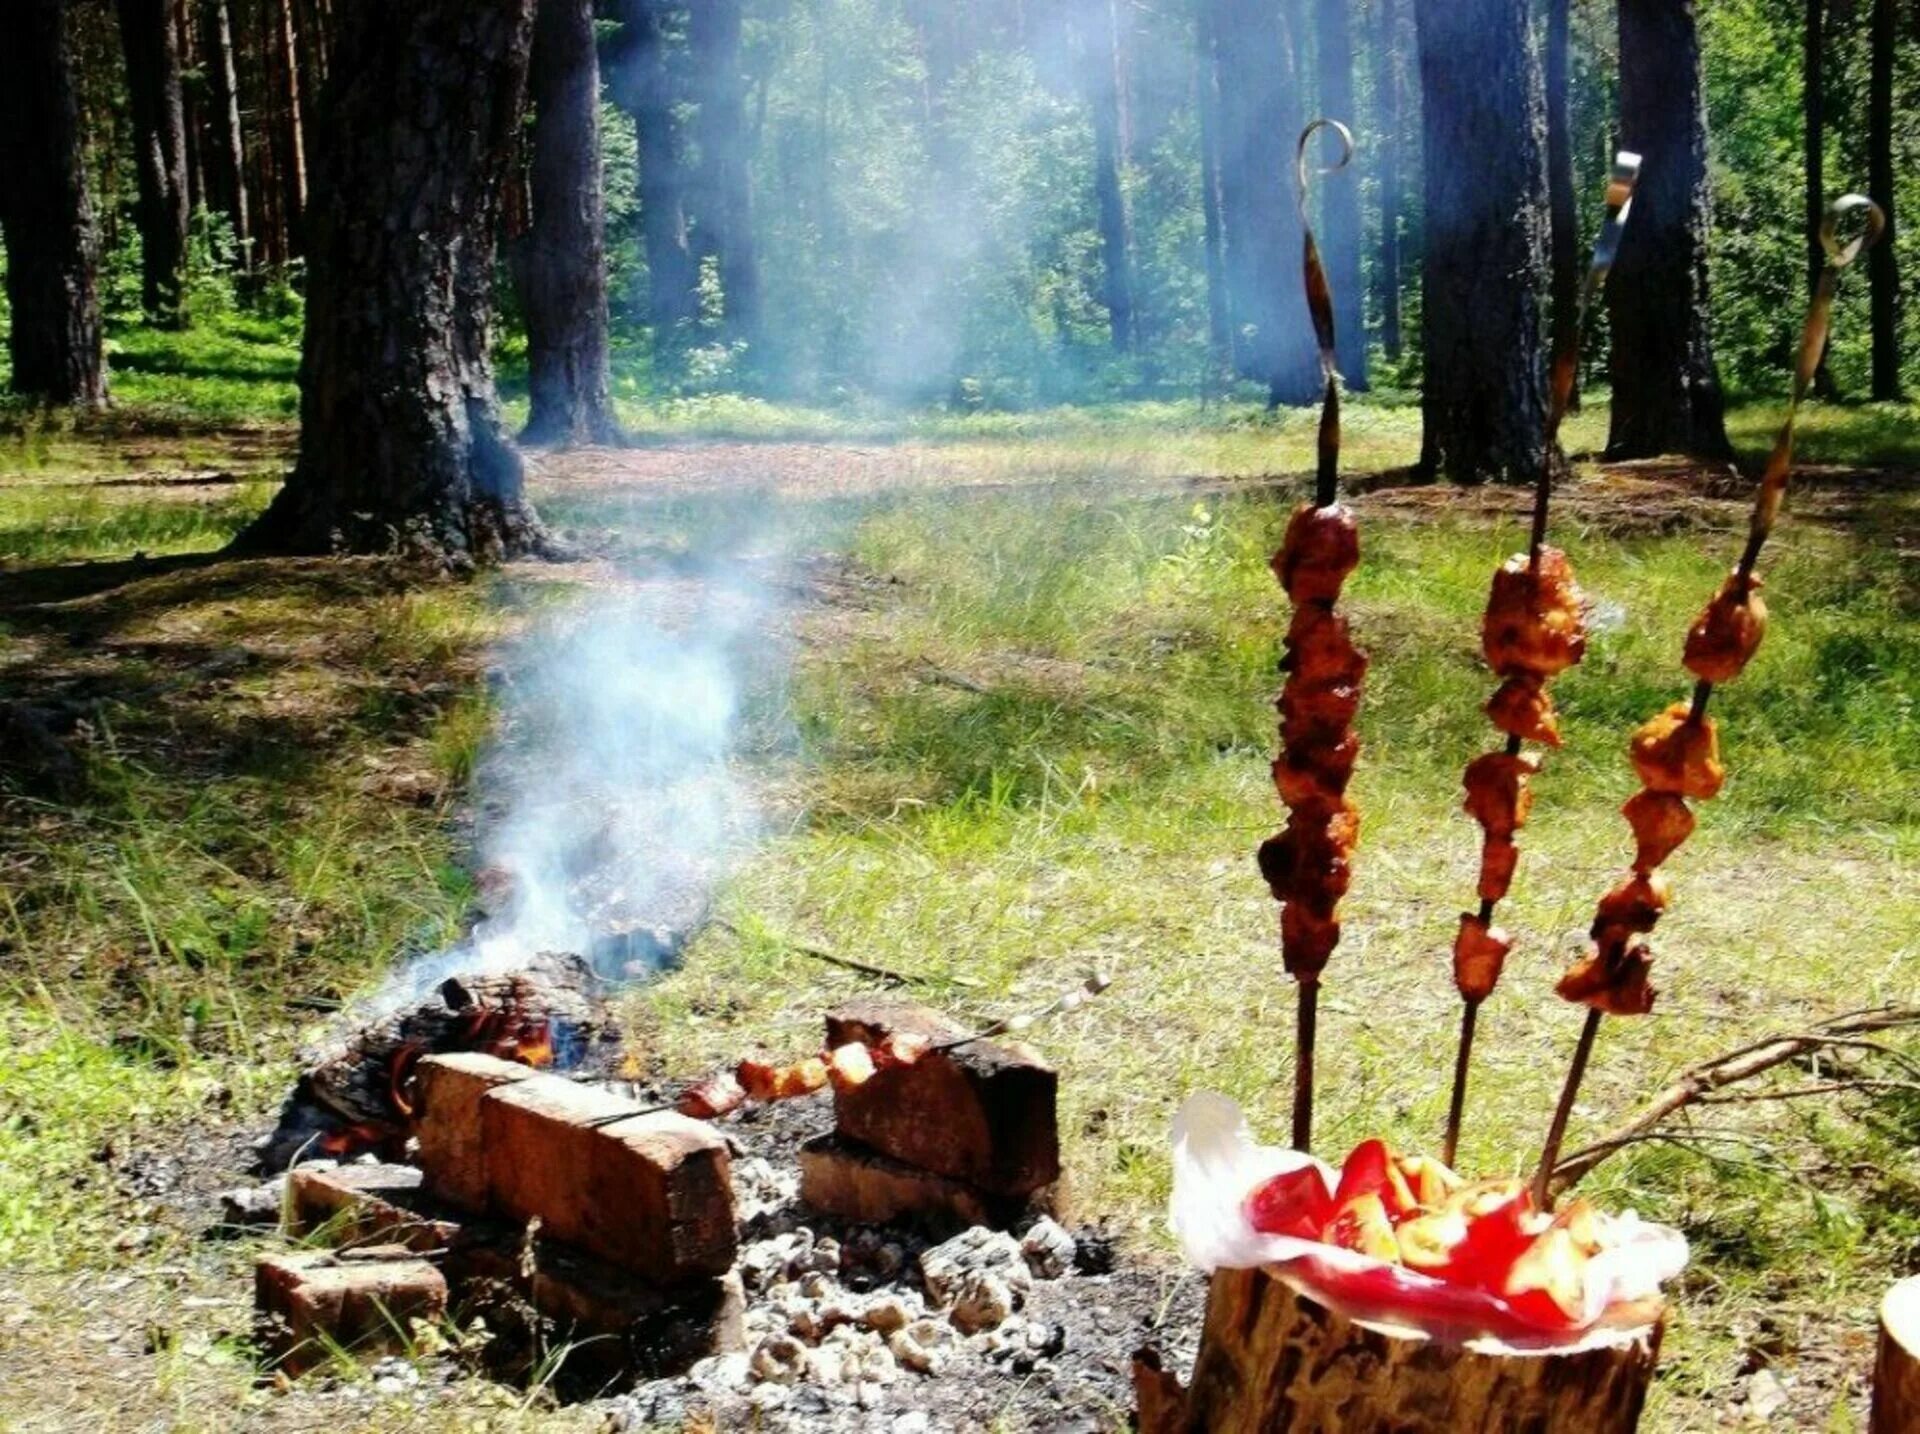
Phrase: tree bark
pixel 1896 1374
pixel 1563 261
pixel 1484 392
pixel 1389 82
pixel 401 448
pixel 227 163
pixel 1105 83
pixel 192 78
pixel 1883 270
pixel 723 211
pixel 1275 1362
pixel 643 87
pixel 292 128
pixel 1259 118
pixel 1666 388
pixel 565 291
pixel 47 219
pixel 1207 101
pixel 1339 232
pixel 1813 76
pixel 160 149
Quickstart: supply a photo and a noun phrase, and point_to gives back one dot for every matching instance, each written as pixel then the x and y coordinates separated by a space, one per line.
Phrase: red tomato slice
pixel 1548 1283
pixel 1292 1203
pixel 1361 1225
pixel 1370 1170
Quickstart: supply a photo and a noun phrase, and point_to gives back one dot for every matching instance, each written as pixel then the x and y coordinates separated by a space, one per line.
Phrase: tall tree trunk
pixel 191 128
pixel 1813 62
pixel 160 147
pixel 1666 389
pixel 1103 61
pixel 1207 90
pixel 227 161
pixel 1883 270
pixel 293 127
pixel 1259 117
pixel 52 250
pixel 644 88
pixel 401 447
pixel 1564 210
pixel 565 294
pixel 1339 231
pixel 1484 267
pixel 1389 82
pixel 723 216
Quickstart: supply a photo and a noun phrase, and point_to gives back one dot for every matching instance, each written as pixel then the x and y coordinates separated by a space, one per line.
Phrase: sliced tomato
pixel 1580 1220
pixel 1501 1226
pixel 1428 1243
pixel 1293 1203
pixel 1548 1283
pixel 1370 1170
pixel 1361 1224
pixel 1431 1182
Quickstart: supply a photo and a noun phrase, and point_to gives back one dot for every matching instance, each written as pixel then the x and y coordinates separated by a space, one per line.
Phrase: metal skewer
pixel 1566 366
pixel 1766 511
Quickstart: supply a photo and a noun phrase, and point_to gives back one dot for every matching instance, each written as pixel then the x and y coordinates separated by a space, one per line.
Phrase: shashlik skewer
pixel 1534 629
pixel 1307 866
pixel 1677 752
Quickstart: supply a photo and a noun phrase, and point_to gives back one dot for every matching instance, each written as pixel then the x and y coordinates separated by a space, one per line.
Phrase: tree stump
pixel 1896 1376
pixel 1273 1360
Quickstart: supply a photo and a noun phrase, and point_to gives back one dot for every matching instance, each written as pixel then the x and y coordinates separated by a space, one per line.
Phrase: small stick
pixel 1566 367
pixel 1069 1000
pixel 1557 1132
pixel 1307 1019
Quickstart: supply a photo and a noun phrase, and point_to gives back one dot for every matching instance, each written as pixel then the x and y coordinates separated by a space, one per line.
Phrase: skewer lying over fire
pixel 1308 865
pixel 1534 629
pixel 1677 753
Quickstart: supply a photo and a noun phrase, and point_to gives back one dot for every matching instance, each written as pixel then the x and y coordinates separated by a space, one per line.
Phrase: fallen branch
pixel 849 963
pixel 1696 1085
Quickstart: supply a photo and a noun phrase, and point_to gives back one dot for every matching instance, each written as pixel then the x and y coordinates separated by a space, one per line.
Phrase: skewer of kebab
pixel 847 1066
pixel 1308 865
pixel 1677 753
pixel 1533 630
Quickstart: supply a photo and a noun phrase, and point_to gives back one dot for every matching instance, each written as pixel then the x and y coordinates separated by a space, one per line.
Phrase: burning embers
pixel 360 1088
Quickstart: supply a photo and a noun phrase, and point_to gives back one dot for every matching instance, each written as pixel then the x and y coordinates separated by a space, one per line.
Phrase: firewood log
pixel 1896 1376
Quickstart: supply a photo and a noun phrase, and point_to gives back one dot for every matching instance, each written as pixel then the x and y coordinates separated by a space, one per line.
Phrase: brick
pixel 621 1326
pixel 651 1193
pixel 447 1125
pixel 842 1178
pixel 311 1302
pixel 368 1205
pixel 983 1114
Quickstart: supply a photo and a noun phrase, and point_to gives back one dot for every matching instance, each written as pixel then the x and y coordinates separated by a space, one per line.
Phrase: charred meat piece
pixel 850 1066
pixel 1661 822
pixel 764 1081
pixel 1613 979
pixel 1535 622
pixel 1726 635
pixel 1310 714
pixel 1523 708
pixel 1674 753
pixel 901 1048
pixel 1309 863
pixel 1632 907
pixel 1315 775
pixel 1479 953
pixel 1307 939
pixel 1497 793
pixel 711 1098
pixel 1320 651
pixel 1321 548
pixel 1498 857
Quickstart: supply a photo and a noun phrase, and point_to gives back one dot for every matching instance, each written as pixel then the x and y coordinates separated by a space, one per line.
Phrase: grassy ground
pixel 1027 733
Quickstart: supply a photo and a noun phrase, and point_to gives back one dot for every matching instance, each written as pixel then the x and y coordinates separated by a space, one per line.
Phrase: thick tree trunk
pixel 1564 246
pixel 1484 395
pixel 723 213
pixel 1883 270
pixel 227 157
pixel 1207 101
pixel 1666 389
pixel 1339 232
pixel 192 79
pixel 1259 118
pixel 160 149
pixel 52 249
pixel 401 447
pixel 1103 61
pixel 643 87
pixel 1813 75
pixel 1273 1361
pixel 565 289
pixel 1389 82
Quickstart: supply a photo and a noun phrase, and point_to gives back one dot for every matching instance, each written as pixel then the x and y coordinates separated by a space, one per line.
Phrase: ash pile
pixel 896 1270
